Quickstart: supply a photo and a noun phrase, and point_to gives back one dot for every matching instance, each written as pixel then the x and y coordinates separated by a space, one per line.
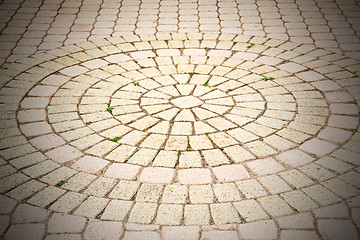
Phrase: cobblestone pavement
pixel 179 120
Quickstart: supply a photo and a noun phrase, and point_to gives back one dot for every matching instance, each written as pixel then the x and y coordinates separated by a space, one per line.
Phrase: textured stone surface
pixel 216 116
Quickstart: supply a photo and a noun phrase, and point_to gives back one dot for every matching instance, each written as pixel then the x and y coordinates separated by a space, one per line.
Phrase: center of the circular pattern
pixel 187 102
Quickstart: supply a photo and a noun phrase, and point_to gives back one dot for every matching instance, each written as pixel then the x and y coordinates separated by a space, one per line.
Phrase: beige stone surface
pixel 216 114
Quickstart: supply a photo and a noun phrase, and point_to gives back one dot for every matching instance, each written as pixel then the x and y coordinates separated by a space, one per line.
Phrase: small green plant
pixel 174 97
pixel 89 122
pixel 109 109
pixel 206 48
pixel 188 149
pixel 243 219
pixel 115 139
pixel 98 88
pixel 249 46
pixel 178 153
pixel 136 84
pixel 267 78
pixel 271 65
pixel 231 161
pixel 72 129
pixel 206 84
pixel 60 183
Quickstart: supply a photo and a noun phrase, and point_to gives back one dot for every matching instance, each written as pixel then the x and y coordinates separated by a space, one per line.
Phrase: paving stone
pixel 63 154
pixel 181 232
pixel 258 230
pixel 340 188
pixel 4 220
pixel 25 213
pixel 170 214
pixel 230 173
pixel 321 195
pixel 174 194
pixel 250 210
pixel 297 221
pixel 90 164
pixel 317 172
pixel 298 234
pixel 64 237
pixel 251 188
pixel 142 213
pixel 332 228
pixel 35 129
pixel 334 164
pixel 141 235
pixel 194 176
pixel 58 175
pixel 337 210
pixel 103 230
pixel 116 210
pixel 78 181
pixel 149 192
pixel 64 223
pixel 122 171
pixel 26 231
pixel 124 190
pixel 46 196
pixel 68 202
pixel 91 207
pixel 157 175
pixel 7 204
pixel 299 201
pixel 190 159
pixel 318 147
pixel 223 213
pixel 274 184
pixel 226 192
pixel 201 194
pixel 265 166
pixel 219 235
pixel 296 178
pixel 275 206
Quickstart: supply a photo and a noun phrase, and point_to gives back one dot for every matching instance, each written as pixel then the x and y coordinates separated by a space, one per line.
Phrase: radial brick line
pixel 204 136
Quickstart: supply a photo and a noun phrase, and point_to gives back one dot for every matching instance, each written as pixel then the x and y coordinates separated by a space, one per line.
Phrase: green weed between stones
pixel 115 139
pixel 109 109
pixel 267 78
pixel 178 153
pixel 136 84
pixel 60 183
pixel 206 85
pixel 243 219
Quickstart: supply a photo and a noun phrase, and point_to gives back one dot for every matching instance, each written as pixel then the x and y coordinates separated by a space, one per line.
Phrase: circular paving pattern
pixel 182 129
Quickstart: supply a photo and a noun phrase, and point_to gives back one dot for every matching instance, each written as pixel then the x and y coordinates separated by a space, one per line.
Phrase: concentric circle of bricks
pixel 182 129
